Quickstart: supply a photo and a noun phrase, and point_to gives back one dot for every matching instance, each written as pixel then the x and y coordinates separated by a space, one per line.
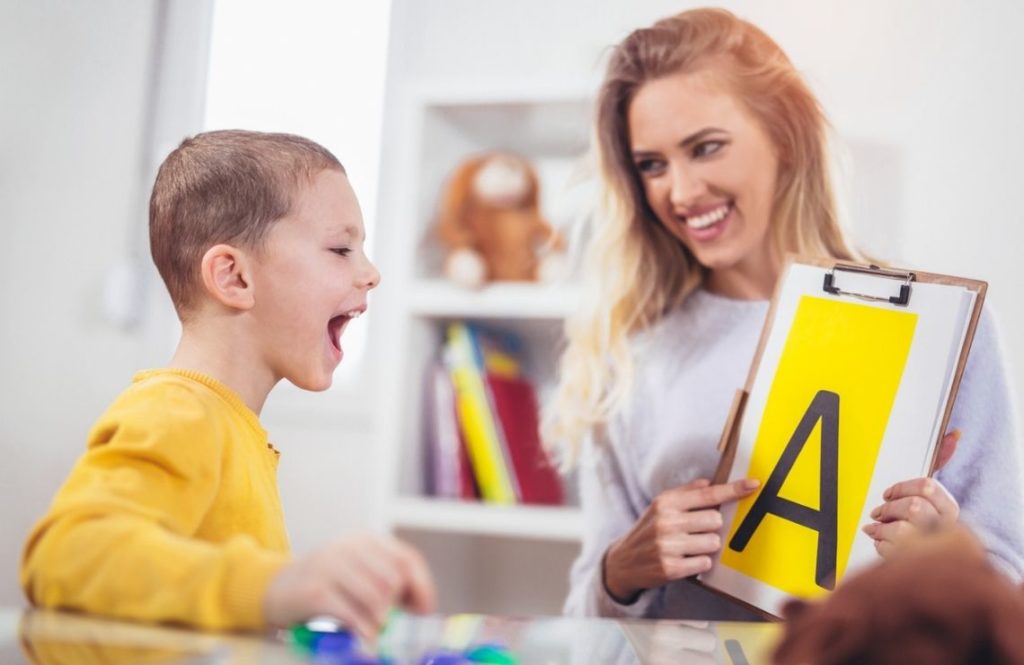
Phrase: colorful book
pixel 515 403
pixel 486 453
pixel 449 473
pixel 514 410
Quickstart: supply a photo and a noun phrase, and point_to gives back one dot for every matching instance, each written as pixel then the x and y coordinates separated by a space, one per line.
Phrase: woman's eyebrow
pixel 697 136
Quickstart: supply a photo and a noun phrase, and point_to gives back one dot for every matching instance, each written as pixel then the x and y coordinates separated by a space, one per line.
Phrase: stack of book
pixel 484 438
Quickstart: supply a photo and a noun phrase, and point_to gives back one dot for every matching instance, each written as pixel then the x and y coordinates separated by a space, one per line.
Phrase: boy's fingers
pixel 355 576
pixel 420 594
pixel 364 601
pixel 381 568
pixel 341 608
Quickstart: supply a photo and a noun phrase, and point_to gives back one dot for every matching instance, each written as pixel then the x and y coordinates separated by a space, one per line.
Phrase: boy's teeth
pixel 708 218
pixel 354 314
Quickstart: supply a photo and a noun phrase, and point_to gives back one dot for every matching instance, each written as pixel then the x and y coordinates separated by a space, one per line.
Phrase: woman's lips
pixel 708 225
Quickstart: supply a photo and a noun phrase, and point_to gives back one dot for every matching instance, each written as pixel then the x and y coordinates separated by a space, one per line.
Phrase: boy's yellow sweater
pixel 172 514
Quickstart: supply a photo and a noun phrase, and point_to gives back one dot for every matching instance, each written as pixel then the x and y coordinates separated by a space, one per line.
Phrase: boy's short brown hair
pixel 225 186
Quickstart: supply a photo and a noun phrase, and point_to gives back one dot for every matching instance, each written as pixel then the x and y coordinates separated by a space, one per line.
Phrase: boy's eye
pixel 706 148
pixel 341 251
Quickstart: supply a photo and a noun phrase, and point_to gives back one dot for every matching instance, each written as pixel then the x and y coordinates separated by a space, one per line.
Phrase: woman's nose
pixel 687 186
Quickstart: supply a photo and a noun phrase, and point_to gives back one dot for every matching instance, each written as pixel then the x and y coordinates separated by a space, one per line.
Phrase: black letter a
pixel 824 406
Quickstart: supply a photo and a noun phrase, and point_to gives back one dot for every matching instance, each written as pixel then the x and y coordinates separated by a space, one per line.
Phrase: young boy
pixel 173 512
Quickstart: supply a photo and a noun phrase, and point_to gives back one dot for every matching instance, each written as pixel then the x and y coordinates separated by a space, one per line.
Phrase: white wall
pixel 926 97
pixel 71 121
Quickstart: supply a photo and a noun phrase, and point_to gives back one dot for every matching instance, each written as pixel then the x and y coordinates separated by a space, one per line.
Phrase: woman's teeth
pixel 708 218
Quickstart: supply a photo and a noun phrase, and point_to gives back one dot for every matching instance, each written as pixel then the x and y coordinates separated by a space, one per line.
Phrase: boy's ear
pixel 227 277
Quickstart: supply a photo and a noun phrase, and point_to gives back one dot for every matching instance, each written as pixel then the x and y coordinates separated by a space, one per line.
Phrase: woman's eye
pixel 341 251
pixel 649 166
pixel 707 148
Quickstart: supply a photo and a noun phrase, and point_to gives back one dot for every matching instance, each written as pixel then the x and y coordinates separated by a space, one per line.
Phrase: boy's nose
pixel 369 277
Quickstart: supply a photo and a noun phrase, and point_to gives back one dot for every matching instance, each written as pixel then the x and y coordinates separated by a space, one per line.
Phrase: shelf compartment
pixel 553 523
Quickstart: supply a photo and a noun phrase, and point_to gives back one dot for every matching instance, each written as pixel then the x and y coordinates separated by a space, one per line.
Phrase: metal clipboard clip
pixel 902 299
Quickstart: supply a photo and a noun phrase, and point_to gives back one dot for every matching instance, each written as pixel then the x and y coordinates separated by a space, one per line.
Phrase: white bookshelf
pixel 558 524
pixel 475 548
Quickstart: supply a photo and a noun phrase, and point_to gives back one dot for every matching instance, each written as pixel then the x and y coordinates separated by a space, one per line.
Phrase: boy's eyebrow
pixel 347 230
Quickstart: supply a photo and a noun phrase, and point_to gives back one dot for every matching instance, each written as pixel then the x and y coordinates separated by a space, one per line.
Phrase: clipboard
pixel 783 430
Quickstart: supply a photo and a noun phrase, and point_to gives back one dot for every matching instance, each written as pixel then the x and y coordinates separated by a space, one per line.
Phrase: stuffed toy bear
pixel 490 223
pixel 936 600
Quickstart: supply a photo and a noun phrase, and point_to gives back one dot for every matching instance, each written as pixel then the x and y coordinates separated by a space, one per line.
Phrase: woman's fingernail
pixel 869 528
pixel 751 484
pixel 876 513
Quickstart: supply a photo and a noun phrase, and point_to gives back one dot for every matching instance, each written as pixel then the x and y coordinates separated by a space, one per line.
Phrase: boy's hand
pixel 355 579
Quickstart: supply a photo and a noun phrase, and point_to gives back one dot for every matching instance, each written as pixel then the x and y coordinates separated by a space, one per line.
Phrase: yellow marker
pixel 815 451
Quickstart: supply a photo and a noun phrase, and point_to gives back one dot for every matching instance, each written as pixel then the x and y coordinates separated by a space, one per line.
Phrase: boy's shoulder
pixel 175 404
pixel 175 393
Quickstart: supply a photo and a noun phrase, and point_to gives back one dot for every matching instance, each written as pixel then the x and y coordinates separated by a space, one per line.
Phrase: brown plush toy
pixel 937 600
pixel 490 222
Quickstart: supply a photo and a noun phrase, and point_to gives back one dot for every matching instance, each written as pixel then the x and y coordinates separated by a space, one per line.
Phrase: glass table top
pixel 52 638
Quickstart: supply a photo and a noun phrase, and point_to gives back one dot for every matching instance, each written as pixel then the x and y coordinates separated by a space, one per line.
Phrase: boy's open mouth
pixel 334 329
pixel 336 326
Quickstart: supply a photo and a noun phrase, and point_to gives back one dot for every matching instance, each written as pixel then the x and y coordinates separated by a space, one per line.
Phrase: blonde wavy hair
pixel 634 271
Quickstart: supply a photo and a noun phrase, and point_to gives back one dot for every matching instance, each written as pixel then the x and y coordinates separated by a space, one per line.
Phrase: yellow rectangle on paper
pixel 857 353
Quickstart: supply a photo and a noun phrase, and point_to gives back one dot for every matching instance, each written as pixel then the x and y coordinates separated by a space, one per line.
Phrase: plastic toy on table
pixel 483 653
pixel 326 640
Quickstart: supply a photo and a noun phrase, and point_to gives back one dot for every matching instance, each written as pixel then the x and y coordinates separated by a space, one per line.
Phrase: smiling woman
pixel 712 152
pixel 713 188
